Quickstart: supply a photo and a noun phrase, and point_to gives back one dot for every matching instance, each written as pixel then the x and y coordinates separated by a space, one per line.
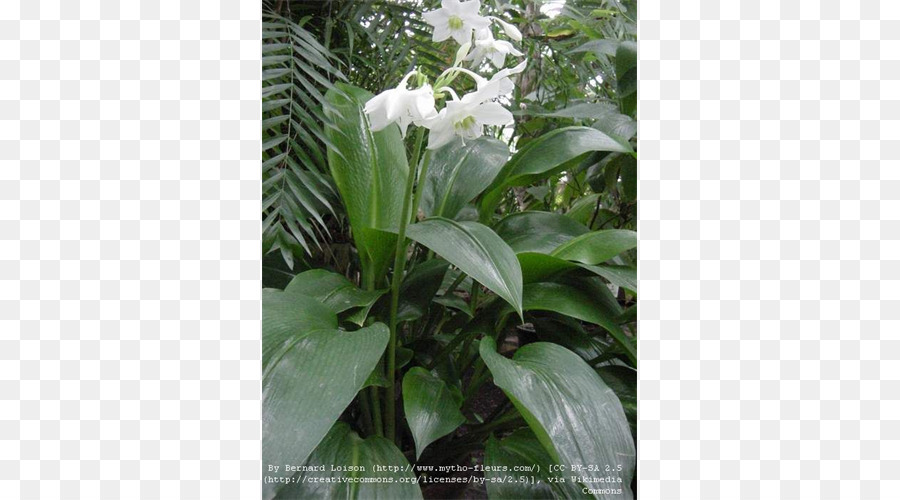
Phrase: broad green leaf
pixel 308 383
pixel 623 276
pixel 577 303
pixel 623 381
pixel 569 333
pixel 285 317
pixel 545 156
pixel 542 267
pixel 419 288
pixel 626 75
pixel 583 209
pixel 540 232
pixel 370 171
pixel 431 410
pixel 333 290
pixel 378 378
pixel 456 175
pixel 343 448
pixel 476 251
pixel 597 247
pixel 523 450
pixel 577 418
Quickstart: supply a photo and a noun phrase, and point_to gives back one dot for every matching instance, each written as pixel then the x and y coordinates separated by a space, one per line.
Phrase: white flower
pixel 456 19
pixel 501 81
pixel 510 30
pixel 494 50
pixel 401 106
pixel 465 118
pixel 500 84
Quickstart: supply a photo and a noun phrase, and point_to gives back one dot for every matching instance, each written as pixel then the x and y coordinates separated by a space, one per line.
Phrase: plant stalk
pixel 396 278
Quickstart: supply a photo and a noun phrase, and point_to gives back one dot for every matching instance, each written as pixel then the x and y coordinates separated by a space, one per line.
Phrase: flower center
pixel 455 22
pixel 465 124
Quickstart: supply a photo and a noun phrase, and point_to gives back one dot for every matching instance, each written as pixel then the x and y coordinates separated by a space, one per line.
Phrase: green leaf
pixel 577 418
pixel 545 156
pixel 476 251
pixel 520 449
pixel 542 267
pixel 577 303
pixel 345 449
pixel 456 175
pixel 539 232
pixel 623 276
pixel 626 74
pixel 431 410
pixel 309 382
pixel 623 381
pixel 597 247
pixel 419 288
pixel 333 290
pixel 370 170
pixel 285 317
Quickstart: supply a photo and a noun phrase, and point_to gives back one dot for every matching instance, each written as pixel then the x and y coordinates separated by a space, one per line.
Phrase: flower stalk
pixel 390 423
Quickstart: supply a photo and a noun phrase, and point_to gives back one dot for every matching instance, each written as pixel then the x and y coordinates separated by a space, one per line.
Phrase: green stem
pixel 396 278
pixel 366 413
pixel 376 410
pixel 418 198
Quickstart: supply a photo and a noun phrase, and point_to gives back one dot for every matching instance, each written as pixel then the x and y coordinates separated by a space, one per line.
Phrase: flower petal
pixel 498 58
pixel 440 137
pixel 461 36
pixel 441 32
pixel 492 113
pixel 510 30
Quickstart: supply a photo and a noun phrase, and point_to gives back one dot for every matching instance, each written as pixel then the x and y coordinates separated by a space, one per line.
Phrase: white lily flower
pixel 494 50
pixel 456 19
pixel 499 85
pixel 400 105
pixel 510 30
pixel 465 118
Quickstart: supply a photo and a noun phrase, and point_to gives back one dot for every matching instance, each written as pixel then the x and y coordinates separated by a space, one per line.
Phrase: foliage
pixel 435 306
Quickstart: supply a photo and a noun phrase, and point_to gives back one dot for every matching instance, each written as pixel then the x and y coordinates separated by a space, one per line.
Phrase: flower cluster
pixel 460 117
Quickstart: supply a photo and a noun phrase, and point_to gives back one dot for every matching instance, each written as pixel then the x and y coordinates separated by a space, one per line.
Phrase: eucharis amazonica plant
pixel 475 328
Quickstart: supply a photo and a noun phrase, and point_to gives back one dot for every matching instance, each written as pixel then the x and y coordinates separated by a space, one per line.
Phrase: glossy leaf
pixel 333 290
pixel 457 174
pixel 542 267
pixel 577 303
pixel 370 170
pixel 597 247
pixel 576 417
pixel 623 381
pixel 310 380
pixel 477 251
pixel 546 156
pixel 540 232
pixel 626 75
pixel 623 276
pixel 344 448
pixel 419 288
pixel 285 317
pixel 431 410
pixel 521 449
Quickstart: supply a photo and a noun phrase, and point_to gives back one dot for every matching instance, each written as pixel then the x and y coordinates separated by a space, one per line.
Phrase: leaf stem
pixel 396 278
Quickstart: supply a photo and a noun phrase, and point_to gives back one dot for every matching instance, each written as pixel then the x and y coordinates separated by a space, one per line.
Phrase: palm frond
pixel 298 193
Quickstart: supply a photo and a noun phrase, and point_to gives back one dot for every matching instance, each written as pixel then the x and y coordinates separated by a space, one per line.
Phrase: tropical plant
pixel 487 318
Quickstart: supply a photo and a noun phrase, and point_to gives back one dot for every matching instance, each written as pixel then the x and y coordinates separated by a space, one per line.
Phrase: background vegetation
pixel 582 299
